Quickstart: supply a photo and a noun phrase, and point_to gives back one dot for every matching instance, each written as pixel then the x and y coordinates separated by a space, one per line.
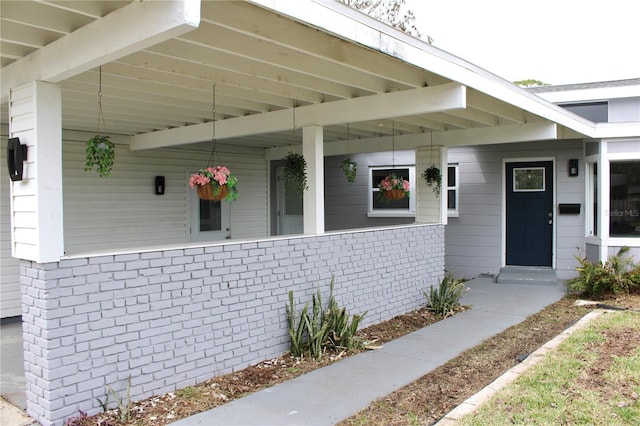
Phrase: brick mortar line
pixel 473 403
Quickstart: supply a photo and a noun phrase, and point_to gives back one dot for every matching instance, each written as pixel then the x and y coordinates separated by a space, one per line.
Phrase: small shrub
pixel 124 402
pixel 443 299
pixel 634 277
pixel 317 329
pixel 618 275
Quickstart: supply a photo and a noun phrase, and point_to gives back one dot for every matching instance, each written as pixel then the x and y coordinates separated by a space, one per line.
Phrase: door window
pixel 528 179
pixel 208 220
pixel 290 208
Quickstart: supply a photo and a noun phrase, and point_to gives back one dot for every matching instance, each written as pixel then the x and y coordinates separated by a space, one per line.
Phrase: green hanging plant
pixel 295 173
pixel 350 169
pixel 100 152
pixel 433 177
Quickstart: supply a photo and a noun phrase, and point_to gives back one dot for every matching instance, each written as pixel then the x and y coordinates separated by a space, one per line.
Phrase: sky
pixel 553 41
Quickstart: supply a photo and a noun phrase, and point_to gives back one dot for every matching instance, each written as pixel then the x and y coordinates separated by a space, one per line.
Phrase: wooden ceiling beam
pixel 125 31
pixel 386 106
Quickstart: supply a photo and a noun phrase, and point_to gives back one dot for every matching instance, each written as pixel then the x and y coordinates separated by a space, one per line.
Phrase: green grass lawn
pixel 592 378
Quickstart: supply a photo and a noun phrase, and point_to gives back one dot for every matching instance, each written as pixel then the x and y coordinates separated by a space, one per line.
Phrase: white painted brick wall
pixel 170 319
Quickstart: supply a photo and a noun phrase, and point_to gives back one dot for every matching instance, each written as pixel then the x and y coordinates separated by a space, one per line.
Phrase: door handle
pixel 550 222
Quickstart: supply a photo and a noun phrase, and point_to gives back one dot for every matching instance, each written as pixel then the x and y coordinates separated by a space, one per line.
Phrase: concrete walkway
pixel 12 383
pixel 333 393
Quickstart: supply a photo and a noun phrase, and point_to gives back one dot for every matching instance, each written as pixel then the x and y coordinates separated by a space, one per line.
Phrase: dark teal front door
pixel 529 210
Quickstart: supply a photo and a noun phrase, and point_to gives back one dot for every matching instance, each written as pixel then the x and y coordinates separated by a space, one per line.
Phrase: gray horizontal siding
pixel 474 239
pixel 122 211
pixel 346 204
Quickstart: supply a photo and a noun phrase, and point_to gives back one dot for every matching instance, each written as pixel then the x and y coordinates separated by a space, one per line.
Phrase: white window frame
pixel 371 190
pixel 193 219
pixel 455 212
pixel 515 179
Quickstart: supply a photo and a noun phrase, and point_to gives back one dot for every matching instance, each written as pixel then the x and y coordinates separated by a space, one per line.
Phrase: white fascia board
pixel 360 28
pixel 629 129
pixel 134 27
pixel 445 97
pixel 591 95
pixel 495 135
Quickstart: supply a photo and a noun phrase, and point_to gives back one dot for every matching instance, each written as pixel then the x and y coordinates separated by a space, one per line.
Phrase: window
pixel 624 207
pixel 382 207
pixel 453 190
pixel 210 216
pixel 528 179
pixel 592 213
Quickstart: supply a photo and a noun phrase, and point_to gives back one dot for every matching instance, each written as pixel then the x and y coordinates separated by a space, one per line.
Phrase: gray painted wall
pixel 474 239
pixel 623 110
pixel 345 203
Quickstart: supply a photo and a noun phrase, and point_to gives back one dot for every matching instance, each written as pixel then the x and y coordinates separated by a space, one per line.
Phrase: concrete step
pixel 527 275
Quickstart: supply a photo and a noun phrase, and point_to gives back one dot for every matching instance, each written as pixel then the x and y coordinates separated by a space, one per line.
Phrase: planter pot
pixel 394 194
pixel 206 192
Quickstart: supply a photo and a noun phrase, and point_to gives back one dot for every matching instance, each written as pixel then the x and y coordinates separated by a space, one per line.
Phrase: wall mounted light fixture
pixel 159 185
pixel 16 156
pixel 573 167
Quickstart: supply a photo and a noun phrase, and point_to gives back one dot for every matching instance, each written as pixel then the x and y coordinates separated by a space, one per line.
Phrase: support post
pixel 313 152
pixel 429 208
pixel 604 203
pixel 35 116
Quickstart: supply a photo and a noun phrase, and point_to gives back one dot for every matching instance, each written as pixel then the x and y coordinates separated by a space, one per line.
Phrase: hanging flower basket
pixel 206 192
pixel 215 184
pixel 350 169
pixel 433 177
pixel 295 173
pixel 100 153
pixel 394 187
pixel 394 194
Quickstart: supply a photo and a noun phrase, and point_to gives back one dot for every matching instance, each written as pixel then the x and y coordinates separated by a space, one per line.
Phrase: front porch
pixel 261 79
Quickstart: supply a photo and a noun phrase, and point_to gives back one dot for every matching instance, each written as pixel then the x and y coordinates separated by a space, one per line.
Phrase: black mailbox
pixel 569 208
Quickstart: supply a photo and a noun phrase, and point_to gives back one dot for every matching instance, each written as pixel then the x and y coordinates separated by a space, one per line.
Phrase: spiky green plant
pixel 443 299
pixel 317 329
pixel 617 275
pixel 297 327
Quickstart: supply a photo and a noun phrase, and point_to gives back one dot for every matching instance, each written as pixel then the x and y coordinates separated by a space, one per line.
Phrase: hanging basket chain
pixel 100 151
pixel 213 128
pixel 100 112
pixel 393 144
pixel 349 167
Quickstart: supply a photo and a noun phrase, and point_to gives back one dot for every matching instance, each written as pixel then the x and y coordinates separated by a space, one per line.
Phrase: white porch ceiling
pixel 262 64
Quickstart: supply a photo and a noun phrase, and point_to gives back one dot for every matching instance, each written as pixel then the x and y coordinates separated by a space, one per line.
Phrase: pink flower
pixel 198 179
pixel 220 177
pixel 393 181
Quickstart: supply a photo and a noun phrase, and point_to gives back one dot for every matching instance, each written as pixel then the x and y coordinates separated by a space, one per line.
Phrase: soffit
pixel 259 61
